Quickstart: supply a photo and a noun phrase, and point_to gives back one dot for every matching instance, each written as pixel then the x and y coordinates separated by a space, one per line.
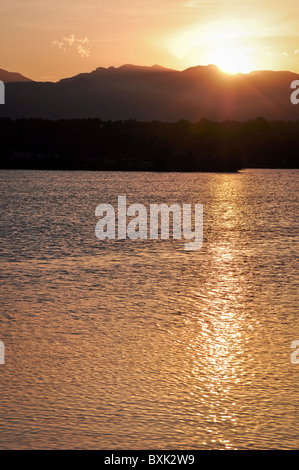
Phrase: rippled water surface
pixel 140 344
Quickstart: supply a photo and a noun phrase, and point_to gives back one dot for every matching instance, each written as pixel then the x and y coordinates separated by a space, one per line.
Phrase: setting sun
pixel 231 61
pixel 226 43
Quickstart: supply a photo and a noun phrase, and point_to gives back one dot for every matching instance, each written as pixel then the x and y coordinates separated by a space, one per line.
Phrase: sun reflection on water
pixel 216 348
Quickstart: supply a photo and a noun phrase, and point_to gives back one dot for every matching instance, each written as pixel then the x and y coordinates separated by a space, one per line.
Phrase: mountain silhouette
pixel 155 93
pixel 8 77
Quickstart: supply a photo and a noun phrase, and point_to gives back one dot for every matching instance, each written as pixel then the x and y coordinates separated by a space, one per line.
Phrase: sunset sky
pixel 53 39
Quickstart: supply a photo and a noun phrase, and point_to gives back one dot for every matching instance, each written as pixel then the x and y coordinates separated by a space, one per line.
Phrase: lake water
pixel 140 344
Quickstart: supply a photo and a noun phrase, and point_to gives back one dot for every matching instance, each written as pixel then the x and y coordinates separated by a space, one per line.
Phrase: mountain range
pixel 153 93
pixel 8 77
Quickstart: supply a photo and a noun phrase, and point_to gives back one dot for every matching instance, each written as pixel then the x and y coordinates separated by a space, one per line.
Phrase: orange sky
pixel 52 39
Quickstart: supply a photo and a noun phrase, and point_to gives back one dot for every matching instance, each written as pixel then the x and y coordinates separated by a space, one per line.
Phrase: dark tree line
pixel 92 144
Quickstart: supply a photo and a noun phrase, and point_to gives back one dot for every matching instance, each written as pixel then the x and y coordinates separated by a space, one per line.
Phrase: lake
pixel 139 344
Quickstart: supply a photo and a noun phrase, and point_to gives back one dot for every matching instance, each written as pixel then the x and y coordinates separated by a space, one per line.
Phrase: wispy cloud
pixel 59 44
pixel 81 44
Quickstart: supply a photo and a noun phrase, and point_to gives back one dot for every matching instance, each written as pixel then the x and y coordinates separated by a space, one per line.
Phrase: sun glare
pixel 231 62
pixel 227 44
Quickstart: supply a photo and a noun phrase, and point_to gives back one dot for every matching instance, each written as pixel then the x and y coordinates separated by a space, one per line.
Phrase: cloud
pixel 59 44
pixel 70 40
pixel 81 44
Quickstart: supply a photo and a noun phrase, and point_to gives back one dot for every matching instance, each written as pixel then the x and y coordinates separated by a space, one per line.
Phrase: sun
pixel 231 61
pixel 226 43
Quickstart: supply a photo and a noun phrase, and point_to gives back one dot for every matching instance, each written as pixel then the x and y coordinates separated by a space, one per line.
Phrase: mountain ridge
pixel 12 77
pixel 149 93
